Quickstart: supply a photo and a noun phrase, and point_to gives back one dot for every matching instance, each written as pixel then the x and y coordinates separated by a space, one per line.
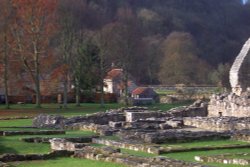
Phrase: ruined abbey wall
pixel 240 70
pixel 236 103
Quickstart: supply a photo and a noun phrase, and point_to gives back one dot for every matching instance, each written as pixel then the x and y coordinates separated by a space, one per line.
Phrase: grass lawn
pixel 165 92
pixel 13 144
pixel 15 122
pixel 18 110
pixel 166 107
pixel 66 162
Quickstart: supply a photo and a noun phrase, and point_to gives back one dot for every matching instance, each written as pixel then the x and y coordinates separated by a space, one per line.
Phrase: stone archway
pixel 240 71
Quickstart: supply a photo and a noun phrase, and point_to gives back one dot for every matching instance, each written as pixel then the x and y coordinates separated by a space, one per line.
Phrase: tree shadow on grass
pixel 5 149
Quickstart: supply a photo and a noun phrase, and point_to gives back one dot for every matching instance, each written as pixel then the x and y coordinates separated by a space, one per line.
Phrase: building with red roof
pixel 113 82
pixel 144 92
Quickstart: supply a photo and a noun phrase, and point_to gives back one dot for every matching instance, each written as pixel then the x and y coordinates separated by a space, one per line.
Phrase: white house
pixel 113 82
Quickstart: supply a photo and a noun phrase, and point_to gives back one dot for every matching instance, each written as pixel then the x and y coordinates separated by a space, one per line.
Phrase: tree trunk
pixel 77 92
pixel 102 77
pixel 65 93
pixel 37 78
pixel 6 66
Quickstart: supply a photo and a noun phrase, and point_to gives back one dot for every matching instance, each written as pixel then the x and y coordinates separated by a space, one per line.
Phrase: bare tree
pixel 6 16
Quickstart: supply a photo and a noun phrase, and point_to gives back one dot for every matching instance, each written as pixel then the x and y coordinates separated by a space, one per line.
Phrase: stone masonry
pixel 240 71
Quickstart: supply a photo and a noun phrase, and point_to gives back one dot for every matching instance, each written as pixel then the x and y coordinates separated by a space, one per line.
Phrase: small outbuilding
pixel 144 95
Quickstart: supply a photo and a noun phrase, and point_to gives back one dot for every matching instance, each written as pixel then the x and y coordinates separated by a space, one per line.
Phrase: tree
pixel 125 43
pixel 103 44
pixel 35 24
pixel 220 76
pixel 6 16
pixel 84 63
pixel 181 64
pixel 69 22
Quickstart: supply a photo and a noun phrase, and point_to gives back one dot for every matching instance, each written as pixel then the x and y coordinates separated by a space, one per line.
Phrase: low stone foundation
pixel 128 145
pixel 110 154
pixel 50 121
pixel 158 149
pixel 58 144
pixel 242 136
pixel 70 139
pixel 39 132
pixel 225 159
pixel 171 135
pixel 218 123
pixel 104 130
pixel 29 157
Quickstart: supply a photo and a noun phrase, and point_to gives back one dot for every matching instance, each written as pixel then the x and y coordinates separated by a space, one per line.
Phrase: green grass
pixel 13 144
pixel 72 110
pixel 166 107
pixel 70 106
pixel 165 92
pixel 66 162
pixel 16 122
pixel 137 153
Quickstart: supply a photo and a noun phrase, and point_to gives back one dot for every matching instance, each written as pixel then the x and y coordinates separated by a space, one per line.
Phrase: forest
pixel 168 42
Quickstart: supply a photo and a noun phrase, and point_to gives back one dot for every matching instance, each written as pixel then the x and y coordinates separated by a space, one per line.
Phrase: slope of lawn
pixel 66 162
pixel 15 123
pixel 13 144
pixel 17 110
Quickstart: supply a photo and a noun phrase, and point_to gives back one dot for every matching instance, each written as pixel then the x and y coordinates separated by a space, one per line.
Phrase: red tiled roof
pixel 114 73
pixel 139 90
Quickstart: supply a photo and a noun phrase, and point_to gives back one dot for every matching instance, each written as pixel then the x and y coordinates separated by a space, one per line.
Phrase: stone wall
pixel 58 144
pixel 39 132
pixel 110 154
pixel 171 135
pixel 28 157
pixel 218 123
pixel 128 145
pixel 242 136
pixel 226 159
pixel 240 70
pixel 70 139
pixel 50 121
pixel 229 105
pixel 197 109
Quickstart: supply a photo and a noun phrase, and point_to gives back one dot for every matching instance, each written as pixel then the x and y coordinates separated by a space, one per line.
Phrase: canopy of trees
pixel 156 41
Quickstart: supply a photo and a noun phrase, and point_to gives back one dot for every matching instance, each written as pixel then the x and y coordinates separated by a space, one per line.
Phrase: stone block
pixel 115 124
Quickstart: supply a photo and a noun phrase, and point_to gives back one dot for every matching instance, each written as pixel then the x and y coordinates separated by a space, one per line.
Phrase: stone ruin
pixel 141 129
pixel 237 102
pixel 226 116
pixel 240 71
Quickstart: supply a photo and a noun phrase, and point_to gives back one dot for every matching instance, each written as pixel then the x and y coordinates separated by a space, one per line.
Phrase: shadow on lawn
pixel 4 149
